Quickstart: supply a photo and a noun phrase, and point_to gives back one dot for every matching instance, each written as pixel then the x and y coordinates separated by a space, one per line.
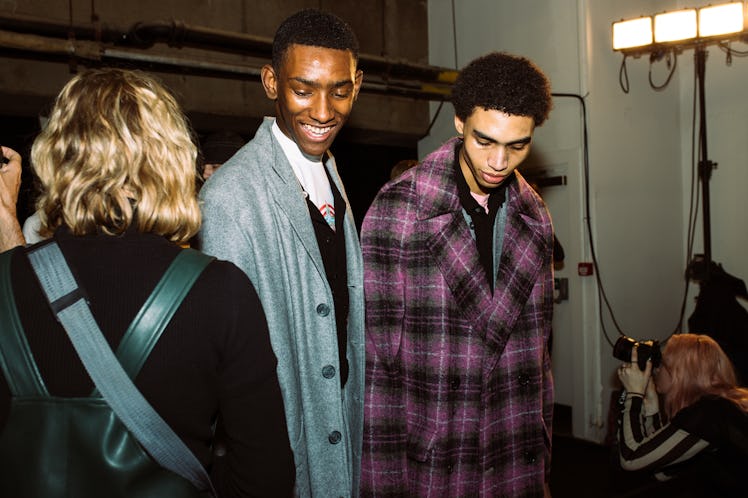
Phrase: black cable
pixel 383 31
pixel 693 207
pixel 588 217
pixel 623 76
pixel 725 47
pixel 454 34
pixel 674 65
pixel 433 120
pixel 454 45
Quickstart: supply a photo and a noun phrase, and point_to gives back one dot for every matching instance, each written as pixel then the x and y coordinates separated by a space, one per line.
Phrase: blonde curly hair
pixel 117 151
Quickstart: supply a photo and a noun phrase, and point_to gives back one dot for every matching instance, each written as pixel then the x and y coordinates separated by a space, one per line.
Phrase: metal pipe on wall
pixel 101 44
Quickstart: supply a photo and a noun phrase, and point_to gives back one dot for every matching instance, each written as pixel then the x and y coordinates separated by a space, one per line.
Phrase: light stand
pixel 717 312
pixel 705 165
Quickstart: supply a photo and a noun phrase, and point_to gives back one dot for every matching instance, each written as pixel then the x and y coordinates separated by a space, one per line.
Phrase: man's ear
pixel 459 125
pixel 269 81
pixel 357 83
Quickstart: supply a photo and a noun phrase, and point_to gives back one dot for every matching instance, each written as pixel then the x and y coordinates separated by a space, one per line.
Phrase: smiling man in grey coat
pixel 278 210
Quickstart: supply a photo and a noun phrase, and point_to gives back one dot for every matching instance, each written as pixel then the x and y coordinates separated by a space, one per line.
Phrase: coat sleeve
pixel 548 395
pixel 639 449
pixel 384 446
pixel 221 233
pixel 257 460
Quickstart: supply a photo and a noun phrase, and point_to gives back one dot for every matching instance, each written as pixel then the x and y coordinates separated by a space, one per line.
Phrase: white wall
pixel 638 173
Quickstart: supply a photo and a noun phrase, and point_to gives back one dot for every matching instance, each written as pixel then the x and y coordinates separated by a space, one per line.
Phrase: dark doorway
pixel 365 168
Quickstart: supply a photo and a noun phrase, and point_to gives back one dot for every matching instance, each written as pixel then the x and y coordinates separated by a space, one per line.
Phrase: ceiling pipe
pixel 103 44
pixel 95 54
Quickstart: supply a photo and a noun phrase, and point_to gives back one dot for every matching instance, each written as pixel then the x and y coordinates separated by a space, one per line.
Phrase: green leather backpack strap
pixel 68 302
pixel 16 360
pixel 150 322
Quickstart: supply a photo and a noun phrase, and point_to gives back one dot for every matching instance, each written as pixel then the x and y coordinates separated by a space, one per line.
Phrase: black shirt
pixel 482 222
pixel 332 249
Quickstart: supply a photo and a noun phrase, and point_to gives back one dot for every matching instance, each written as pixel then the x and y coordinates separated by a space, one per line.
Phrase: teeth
pixel 316 130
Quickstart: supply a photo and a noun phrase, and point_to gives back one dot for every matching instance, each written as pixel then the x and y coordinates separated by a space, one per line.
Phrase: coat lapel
pixel 289 199
pixel 456 255
pixel 522 259
pixel 450 243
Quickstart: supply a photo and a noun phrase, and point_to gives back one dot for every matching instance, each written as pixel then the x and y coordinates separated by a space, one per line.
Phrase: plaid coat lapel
pixel 525 244
pixel 456 255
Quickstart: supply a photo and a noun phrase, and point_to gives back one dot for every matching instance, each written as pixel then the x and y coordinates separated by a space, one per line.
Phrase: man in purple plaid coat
pixel 459 288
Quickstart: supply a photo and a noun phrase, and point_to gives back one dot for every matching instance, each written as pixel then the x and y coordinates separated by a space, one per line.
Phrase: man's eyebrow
pixel 316 84
pixel 520 141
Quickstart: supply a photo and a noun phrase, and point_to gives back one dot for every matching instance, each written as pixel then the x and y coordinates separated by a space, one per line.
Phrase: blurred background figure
pixel 401 167
pixel 217 148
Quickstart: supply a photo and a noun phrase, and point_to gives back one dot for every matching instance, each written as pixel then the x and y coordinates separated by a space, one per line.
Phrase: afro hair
pixel 502 82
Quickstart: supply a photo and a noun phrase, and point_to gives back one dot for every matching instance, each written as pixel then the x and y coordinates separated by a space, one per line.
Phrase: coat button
pixel 529 458
pixel 523 380
pixel 328 371
pixel 219 450
pixel 323 309
pixel 454 383
pixel 335 437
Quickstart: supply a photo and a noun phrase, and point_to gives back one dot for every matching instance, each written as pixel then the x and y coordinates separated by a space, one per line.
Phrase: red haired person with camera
pixel 701 436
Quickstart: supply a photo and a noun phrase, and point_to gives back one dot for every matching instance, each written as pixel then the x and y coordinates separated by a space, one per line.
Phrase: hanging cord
pixel 454 34
pixel 383 31
pixel 623 76
pixel 671 59
pixel 433 120
pixel 588 220
pixel 95 21
pixel 727 48
pixel 454 45
pixel 692 209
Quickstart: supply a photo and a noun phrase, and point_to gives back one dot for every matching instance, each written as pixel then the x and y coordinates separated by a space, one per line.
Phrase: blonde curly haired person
pixel 117 166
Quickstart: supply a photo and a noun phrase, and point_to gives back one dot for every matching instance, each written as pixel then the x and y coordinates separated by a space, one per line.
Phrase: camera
pixel 645 350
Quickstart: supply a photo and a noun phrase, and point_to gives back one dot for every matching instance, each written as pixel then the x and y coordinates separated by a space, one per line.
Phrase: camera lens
pixel 645 350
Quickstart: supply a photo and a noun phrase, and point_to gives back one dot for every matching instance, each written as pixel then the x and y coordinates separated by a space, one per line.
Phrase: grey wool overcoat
pixel 255 215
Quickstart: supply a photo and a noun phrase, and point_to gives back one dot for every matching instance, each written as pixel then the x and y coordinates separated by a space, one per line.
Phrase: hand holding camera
pixel 633 378
pixel 640 382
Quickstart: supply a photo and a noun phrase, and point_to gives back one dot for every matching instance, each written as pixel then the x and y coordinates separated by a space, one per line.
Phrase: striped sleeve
pixel 646 444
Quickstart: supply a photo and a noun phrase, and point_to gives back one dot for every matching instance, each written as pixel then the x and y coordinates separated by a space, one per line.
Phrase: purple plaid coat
pixel 459 392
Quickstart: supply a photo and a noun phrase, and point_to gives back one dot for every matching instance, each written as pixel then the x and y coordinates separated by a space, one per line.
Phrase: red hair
pixel 698 367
